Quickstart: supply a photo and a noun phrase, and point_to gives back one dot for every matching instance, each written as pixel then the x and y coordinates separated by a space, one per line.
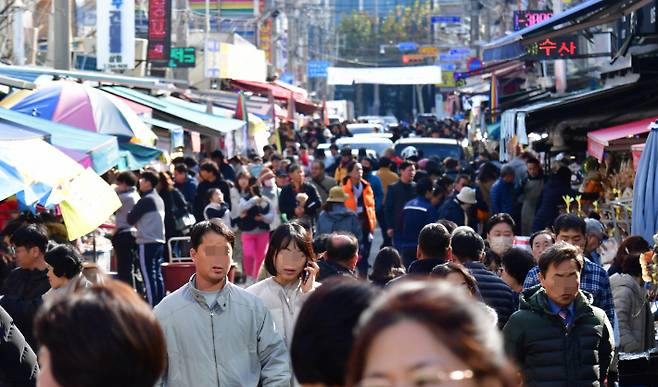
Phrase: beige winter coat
pixel 635 319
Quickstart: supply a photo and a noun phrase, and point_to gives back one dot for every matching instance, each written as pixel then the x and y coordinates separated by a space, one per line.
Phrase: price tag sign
pixel 182 57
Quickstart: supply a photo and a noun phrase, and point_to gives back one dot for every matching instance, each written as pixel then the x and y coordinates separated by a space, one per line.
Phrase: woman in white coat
pixel 291 263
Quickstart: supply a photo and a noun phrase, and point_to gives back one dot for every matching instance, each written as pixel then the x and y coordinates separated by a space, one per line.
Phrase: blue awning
pixel 134 156
pixel 102 149
pixel 204 123
pixel 161 124
pixel 577 18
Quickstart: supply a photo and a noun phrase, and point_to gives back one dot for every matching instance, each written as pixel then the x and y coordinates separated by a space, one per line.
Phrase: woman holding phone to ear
pixel 291 263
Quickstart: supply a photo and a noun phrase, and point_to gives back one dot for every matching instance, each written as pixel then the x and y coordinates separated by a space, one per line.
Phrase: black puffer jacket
pixel 552 355
pixel 18 363
pixel 494 291
pixel 22 293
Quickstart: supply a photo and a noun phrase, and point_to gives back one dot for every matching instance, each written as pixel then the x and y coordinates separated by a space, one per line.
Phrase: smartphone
pixel 305 273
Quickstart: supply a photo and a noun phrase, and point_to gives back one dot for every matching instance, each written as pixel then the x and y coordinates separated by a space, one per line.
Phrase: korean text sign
pixel 159 34
pixel 115 34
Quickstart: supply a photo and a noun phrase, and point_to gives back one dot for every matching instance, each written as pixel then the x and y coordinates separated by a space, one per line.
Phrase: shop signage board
pixel 523 19
pixel 317 68
pixel 159 35
pixel 646 19
pixel 564 47
pixel 182 57
pixel 115 35
pixel 428 51
pixel 474 64
pixel 407 46
pixel 446 19
pixel 211 58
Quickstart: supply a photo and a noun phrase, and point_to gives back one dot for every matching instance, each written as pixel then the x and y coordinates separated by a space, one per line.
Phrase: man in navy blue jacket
pixel 467 249
pixel 416 214
pixel 185 184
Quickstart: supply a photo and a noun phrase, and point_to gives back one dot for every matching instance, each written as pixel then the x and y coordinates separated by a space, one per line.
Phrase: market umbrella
pixel 645 189
pixel 37 172
pixel 83 107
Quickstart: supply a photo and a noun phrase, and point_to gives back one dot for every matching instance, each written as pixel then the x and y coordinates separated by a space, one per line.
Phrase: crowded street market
pixel 358 193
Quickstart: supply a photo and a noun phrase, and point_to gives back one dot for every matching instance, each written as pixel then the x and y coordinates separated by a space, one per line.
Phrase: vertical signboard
pixel 211 58
pixel 265 32
pixel 115 35
pixel 159 35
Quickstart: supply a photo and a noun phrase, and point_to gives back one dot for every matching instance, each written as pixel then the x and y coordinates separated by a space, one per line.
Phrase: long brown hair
pixel 453 318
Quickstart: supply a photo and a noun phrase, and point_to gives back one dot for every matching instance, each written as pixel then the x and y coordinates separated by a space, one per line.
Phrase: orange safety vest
pixel 368 201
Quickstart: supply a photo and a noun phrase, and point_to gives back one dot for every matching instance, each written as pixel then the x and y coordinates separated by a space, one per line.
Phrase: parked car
pixel 387 121
pixel 428 147
pixel 379 145
pixel 361 129
pixel 355 151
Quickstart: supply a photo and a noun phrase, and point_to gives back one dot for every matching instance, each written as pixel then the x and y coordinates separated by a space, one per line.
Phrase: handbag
pixel 184 221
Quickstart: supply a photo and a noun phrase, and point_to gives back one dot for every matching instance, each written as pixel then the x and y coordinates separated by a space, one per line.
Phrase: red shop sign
pixel 159 32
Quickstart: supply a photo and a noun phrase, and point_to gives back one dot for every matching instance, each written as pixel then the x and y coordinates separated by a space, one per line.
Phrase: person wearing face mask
pixel 593 279
pixel 457 208
pixel 499 233
pixel 270 190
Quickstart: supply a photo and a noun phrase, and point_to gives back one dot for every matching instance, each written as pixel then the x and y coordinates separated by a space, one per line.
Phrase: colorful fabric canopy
pixel 100 152
pixel 83 107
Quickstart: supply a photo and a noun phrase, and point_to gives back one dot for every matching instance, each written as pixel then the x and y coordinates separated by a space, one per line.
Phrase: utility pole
pixel 61 42
pixel 376 102
pixel 182 34
pixel 561 64
pixel 475 24
pixel 19 34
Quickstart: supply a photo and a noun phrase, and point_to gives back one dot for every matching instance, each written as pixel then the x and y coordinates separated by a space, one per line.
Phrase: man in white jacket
pixel 217 333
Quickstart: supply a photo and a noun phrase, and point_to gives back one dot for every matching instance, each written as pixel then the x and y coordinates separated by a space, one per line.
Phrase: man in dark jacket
pixel 18 362
pixel 504 194
pixel 397 196
pixel 288 203
pixel 185 184
pixel 340 258
pixel 29 281
pixel 210 178
pixel 557 337
pixel 417 213
pixel 468 249
pixel 227 171
pixel 320 180
pixel 433 249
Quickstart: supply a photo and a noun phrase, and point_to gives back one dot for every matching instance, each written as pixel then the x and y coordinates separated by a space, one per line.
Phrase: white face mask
pixel 501 245
pixel 269 183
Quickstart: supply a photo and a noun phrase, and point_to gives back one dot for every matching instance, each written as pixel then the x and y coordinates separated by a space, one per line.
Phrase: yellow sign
pixel 448 78
pixel 428 51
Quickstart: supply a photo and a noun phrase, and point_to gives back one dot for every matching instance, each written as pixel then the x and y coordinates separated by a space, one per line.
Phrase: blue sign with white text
pixel 446 19
pixel 407 46
pixel 317 68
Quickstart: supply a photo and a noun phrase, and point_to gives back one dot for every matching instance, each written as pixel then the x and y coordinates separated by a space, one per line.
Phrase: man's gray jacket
pixel 234 344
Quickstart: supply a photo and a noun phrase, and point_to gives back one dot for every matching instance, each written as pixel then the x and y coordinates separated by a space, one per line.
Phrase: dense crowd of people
pixel 291 287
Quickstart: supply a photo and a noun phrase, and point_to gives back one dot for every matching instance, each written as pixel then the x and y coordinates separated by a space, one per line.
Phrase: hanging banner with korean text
pixel 115 35
pixel 159 35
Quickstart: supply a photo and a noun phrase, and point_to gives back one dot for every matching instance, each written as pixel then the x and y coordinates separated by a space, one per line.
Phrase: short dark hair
pixel 320 243
pixel 517 263
pixel 293 168
pixel 533 160
pixel 463 176
pixel 343 251
pixel 541 232
pixel 558 253
pixel 434 241
pixel 498 219
pixel 630 264
pixel 423 186
pixel 65 261
pixel 467 245
pixel 181 168
pixel 217 154
pixel 212 225
pixel 151 177
pixel 128 178
pixel 450 162
pixel 318 162
pixel 443 270
pixel 387 259
pixel 323 336
pixel 31 235
pixel 384 162
pixel 569 222
pixel 107 328
pixel 448 224
pixel 284 235
pixel 406 164
pixel 209 166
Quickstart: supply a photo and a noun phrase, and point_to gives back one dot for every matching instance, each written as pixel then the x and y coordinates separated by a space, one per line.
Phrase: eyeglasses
pixel 435 379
